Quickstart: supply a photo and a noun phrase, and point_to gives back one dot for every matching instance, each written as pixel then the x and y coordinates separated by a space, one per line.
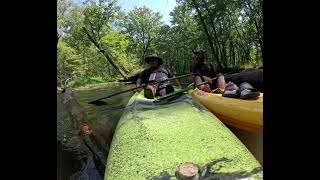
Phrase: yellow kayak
pixel 243 114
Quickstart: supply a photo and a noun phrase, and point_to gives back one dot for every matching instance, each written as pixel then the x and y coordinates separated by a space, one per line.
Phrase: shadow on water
pixel 75 160
pixel 67 163
pixel 253 141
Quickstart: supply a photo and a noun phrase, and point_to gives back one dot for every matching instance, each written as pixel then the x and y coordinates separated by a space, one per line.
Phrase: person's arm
pixel 139 82
pixel 175 81
pixel 198 77
pixel 206 78
pixel 212 75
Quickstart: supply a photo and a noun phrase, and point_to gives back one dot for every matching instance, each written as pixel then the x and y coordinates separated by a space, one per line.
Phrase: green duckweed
pixel 151 139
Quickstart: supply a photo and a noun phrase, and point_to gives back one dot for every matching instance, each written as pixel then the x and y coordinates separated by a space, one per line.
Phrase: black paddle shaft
pixel 182 91
pixel 97 101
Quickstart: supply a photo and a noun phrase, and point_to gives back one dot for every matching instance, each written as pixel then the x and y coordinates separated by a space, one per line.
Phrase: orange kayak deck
pixel 243 114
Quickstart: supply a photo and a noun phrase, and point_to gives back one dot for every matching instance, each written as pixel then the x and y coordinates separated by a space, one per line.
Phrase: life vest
pixel 158 74
pixel 206 88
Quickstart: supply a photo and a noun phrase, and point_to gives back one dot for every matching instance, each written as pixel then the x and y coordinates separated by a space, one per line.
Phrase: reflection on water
pixel 109 113
pixel 73 156
pixel 67 135
pixel 70 151
pixel 253 141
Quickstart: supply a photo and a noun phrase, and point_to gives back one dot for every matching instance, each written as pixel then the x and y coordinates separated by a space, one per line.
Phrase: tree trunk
pixel 207 33
pixel 220 49
pixel 78 117
pixel 259 31
pixel 123 74
pixel 58 37
pixel 145 48
pixel 235 26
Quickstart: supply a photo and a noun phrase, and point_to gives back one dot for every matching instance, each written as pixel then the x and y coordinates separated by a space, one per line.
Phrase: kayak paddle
pixel 98 102
pixel 181 91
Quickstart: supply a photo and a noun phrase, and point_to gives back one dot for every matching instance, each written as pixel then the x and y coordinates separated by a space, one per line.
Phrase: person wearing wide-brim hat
pixel 153 57
pixel 205 72
pixel 155 72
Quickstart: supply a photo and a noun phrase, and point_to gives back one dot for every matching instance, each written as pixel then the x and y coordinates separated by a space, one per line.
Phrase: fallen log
pixel 252 76
pixel 90 137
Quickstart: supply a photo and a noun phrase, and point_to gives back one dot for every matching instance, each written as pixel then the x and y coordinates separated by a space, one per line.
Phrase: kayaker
pixel 205 72
pixel 155 72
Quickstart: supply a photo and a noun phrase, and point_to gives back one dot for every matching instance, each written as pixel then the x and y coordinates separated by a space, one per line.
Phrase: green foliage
pixel 234 28
pixel 91 80
pixel 142 25
pixel 69 63
pixel 62 8
pixel 118 44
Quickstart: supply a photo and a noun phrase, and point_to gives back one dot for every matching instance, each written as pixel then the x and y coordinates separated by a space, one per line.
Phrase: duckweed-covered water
pixel 153 139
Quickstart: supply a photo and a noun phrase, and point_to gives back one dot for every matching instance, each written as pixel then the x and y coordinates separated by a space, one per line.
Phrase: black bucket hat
pixel 153 56
pixel 199 51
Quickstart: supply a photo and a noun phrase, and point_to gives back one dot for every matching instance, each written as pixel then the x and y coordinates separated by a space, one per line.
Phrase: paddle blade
pixel 98 103
pixel 169 98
